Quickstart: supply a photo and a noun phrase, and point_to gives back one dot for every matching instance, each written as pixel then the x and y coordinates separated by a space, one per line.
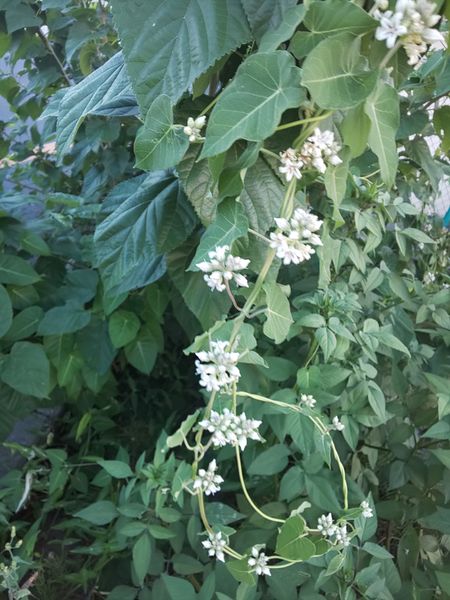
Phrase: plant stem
pixel 389 55
pixel 259 235
pixel 49 47
pixel 210 106
pixel 303 121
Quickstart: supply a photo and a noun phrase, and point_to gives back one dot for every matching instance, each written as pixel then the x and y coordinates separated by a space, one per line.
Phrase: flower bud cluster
pixel 319 151
pixel 217 366
pixel 228 428
pixel 207 481
pixel 308 400
pixel 194 127
pixel 333 531
pixel 223 267
pixel 294 237
pixel 411 21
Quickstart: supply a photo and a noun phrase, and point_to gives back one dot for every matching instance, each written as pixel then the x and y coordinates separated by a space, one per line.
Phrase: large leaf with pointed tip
pixel 250 107
pixel 159 143
pixel 167 45
pixel 130 243
pixel 382 108
pixel 101 92
pixel 230 224
pixel 336 74
pixel 290 21
pixel 328 18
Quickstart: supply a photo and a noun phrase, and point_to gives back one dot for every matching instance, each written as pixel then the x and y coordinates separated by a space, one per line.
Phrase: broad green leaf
pixel 336 74
pixel 33 244
pixel 335 564
pixel 107 85
pixel 291 543
pixel 159 143
pixel 326 340
pixel 265 15
pixel 290 21
pixel 324 19
pixel 241 571
pixel 177 438
pixel 230 224
pixel 382 108
pixel 129 244
pixel 122 592
pixel 64 319
pixel 270 461
pixel 123 327
pixel 388 339
pixel 142 555
pixel 184 564
pixel 417 235
pixel 443 456
pixel 355 130
pixel 68 369
pixel 98 513
pixel 278 313
pixel 335 180
pixel 95 345
pixel 6 311
pixel 142 352
pixel 20 15
pixel 250 107
pixel 168 45
pixel 116 468
pixel 16 270
pixel 178 589
pixel 26 369
pixel 322 492
pixel 377 551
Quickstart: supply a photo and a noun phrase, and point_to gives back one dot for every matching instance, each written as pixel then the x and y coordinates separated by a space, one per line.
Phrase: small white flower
pixel 223 267
pixel 308 400
pixel 391 27
pixel 326 525
pixel 258 562
pixel 215 545
pixel 429 278
pixel 217 367
pixel 367 512
pixel 342 535
pixel 207 480
pixel 291 164
pixel 194 127
pixel 336 424
pixel 228 428
pixel 294 238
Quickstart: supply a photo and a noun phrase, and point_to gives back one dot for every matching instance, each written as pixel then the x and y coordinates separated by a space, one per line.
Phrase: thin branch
pixel 49 47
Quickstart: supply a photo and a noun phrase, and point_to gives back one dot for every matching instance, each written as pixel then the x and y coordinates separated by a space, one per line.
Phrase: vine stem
pixel 210 105
pixel 204 518
pixel 303 121
pixel 49 47
pixel 389 55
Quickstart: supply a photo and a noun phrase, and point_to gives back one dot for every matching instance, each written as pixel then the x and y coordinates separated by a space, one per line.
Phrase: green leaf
pixel 95 345
pixel 355 130
pixel 168 45
pixel 20 15
pixel 265 15
pixel 129 243
pixel 98 513
pixel 388 339
pixel 417 235
pixel 142 555
pixel 377 551
pixel 336 74
pixel 142 352
pixel 250 107
pixel 6 311
pixel 64 319
pixel 382 108
pixel 26 369
pixel 123 327
pixel 335 564
pixel 230 224
pixel 178 589
pixel 441 122
pixel 443 456
pixel 16 270
pixel 116 468
pixel 106 85
pixel 335 180
pixel 123 592
pixel 270 461
pixel 241 571
pixel 159 143
pixel 290 21
pixel 291 543
pixel 177 438
pixel 327 341
pixel 184 564
pixel 328 18
pixel 279 319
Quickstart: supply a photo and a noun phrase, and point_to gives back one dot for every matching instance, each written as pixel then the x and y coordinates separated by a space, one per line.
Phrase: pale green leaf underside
pixel 291 20
pixel 250 108
pixel 336 74
pixel 159 144
pixel 382 108
pixel 167 45
pixel 278 313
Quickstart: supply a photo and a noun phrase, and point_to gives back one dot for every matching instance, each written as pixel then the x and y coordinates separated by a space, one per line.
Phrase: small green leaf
pixel 326 340
pixel 5 311
pixel 16 270
pixel 291 542
pixel 123 327
pixel 116 468
pixel 27 370
pixel 98 513
pixel 290 21
pixel 178 437
pixel 64 319
pixel 241 571
pixel 159 143
pixel 142 554
pixel 279 319
pixel 123 592
pixel 271 461
pixel 25 323
pixel 142 352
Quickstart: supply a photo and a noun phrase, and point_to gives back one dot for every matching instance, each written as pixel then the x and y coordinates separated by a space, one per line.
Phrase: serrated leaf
pixel 382 108
pixel 168 45
pixel 159 143
pixel 230 224
pixel 336 74
pixel 278 313
pixel 250 107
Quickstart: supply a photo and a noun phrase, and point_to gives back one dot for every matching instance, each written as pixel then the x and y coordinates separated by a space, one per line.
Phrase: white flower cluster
pixel 429 278
pixel 308 400
pixel 258 562
pixel 336 424
pixel 412 21
pixel 217 366
pixel 367 512
pixel 228 428
pixel 215 545
pixel 223 267
pixel 207 480
pixel 194 127
pixel 319 150
pixel 336 533
pixel 294 237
